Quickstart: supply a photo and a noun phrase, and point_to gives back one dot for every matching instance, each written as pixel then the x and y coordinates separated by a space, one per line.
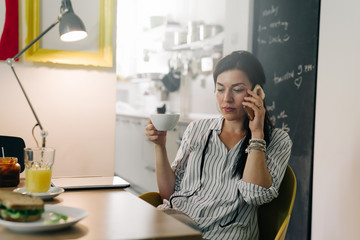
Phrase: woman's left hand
pixel 256 103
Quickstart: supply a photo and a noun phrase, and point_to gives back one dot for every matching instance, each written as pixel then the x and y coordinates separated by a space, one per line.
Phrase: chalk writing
pixel 309 68
pixel 300 69
pixel 305 68
pixel 273 120
pixel 261 41
pixel 278 24
pixel 271 107
pixel 285 127
pixel 298 82
pixel 286 76
pixel 282 115
pixel 272 29
pixel 261 28
pixel 290 75
pixel 279 39
pixel 271 11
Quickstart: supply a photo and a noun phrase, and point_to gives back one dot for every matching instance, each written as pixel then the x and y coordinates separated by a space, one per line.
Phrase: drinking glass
pixel 38 169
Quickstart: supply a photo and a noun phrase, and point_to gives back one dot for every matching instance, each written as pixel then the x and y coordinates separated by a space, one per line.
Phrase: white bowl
pixel 164 122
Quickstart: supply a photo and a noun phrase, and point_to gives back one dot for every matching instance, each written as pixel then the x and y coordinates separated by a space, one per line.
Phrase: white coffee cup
pixel 165 122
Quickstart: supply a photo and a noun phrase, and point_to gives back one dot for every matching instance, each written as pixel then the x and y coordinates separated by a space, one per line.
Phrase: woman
pixel 225 167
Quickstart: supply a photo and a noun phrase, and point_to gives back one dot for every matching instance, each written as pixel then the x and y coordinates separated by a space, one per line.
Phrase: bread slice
pixel 29 218
pixel 256 90
pixel 20 207
pixel 13 200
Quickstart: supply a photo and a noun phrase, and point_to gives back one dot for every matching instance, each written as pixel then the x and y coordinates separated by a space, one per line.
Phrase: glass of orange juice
pixel 38 169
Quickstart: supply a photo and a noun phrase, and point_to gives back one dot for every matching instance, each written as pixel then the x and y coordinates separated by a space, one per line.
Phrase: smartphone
pixel 261 93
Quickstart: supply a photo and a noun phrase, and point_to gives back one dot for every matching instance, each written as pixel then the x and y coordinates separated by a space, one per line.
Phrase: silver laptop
pixel 74 183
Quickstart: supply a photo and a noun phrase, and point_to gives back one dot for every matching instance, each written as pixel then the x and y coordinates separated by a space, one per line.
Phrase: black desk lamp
pixel 71 29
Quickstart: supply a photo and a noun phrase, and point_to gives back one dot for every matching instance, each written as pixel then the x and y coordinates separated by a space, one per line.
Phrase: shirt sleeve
pixel 277 157
pixel 182 156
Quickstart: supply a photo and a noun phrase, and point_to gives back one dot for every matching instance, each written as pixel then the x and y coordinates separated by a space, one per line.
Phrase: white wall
pixel 238 25
pixel 75 104
pixel 336 191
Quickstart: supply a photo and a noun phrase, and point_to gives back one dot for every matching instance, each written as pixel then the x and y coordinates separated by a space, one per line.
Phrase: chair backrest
pixel 274 217
pixel 151 197
pixel 13 147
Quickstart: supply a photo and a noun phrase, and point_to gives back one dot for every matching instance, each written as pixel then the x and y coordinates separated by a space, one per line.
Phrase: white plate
pixel 74 215
pixel 53 192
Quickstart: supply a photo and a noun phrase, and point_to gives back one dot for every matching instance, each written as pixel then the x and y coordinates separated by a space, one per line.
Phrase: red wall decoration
pixel 9 41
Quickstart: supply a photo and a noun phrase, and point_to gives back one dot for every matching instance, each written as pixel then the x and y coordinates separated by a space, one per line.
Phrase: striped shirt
pixel 224 207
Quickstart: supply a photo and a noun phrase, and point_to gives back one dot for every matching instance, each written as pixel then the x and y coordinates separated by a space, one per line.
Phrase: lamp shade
pixel 71 28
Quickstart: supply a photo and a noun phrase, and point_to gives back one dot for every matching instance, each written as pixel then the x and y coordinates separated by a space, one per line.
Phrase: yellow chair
pixel 152 197
pixel 273 217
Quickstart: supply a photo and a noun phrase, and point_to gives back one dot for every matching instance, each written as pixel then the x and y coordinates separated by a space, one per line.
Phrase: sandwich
pixel 19 207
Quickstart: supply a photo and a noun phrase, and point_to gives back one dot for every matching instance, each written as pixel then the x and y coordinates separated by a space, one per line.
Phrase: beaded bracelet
pixel 256 144
pixel 255 140
pixel 250 148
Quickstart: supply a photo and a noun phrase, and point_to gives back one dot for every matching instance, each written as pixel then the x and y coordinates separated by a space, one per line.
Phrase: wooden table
pixel 112 214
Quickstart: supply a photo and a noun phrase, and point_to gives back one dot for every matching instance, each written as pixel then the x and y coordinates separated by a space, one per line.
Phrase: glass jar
pixel 9 172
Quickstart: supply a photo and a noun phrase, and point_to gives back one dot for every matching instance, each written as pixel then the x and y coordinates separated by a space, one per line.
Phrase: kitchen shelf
pixel 155 35
pixel 207 43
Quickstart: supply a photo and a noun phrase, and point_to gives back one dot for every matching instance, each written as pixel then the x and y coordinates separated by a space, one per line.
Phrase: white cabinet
pixel 134 154
pixel 127 149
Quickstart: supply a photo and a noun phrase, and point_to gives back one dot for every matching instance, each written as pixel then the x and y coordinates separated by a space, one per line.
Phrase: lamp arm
pixel 43 132
pixel 10 62
pixel 34 41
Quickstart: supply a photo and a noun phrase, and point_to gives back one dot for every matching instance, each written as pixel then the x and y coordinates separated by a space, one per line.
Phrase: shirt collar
pixel 217 124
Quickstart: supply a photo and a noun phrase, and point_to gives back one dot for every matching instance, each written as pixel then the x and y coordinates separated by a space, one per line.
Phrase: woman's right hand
pixel 155 136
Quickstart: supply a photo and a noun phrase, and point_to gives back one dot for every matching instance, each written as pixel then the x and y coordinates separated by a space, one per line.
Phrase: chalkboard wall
pixel 285 40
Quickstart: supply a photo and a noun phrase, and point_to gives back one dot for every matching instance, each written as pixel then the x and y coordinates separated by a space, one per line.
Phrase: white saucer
pixel 53 192
pixel 74 215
